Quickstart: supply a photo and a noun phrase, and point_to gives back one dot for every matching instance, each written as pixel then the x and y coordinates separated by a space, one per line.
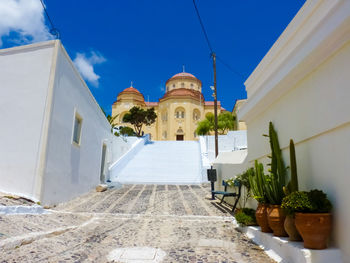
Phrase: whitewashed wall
pixel 232 141
pixel 41 91
pixel 24 78
pixel 70 169
pixel 302 86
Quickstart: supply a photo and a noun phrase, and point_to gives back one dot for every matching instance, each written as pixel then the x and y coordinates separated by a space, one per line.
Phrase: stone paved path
pixel 137 223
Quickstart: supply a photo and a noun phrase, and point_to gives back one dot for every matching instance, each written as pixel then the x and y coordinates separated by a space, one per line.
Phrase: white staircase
pixel 163 162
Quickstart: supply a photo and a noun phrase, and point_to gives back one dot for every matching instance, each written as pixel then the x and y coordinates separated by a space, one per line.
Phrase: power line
pixel 53 31
pixel 230 68
pixel 210 46
pixel 203 28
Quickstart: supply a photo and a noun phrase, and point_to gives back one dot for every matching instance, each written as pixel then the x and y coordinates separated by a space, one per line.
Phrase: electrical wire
pixel 230 68
pixel 203 28
pixel 53 31
pixel 210 46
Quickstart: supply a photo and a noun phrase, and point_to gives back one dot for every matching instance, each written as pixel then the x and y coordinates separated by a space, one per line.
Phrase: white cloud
pixel 85 65
pixel 25 18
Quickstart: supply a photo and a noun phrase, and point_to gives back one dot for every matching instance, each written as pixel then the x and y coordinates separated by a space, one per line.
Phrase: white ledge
pixel 284 251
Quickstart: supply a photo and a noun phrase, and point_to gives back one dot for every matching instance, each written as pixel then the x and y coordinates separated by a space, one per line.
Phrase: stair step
pixel 169 162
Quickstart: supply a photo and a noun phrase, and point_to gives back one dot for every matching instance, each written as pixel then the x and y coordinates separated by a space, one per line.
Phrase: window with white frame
pixel 77 129
pixel 196 115
pixel 180 113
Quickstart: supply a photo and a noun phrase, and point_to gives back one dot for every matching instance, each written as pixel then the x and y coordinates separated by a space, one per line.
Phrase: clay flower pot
pixel 314 229
pixel 289 226
pixel 276 219
pixel 261 218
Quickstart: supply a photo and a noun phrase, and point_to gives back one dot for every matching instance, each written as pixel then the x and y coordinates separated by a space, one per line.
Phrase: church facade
pixel 178 111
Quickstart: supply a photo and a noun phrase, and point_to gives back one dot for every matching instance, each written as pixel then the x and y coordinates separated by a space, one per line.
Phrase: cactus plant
pixel 256 181
pixel 275 182
pixel 292 186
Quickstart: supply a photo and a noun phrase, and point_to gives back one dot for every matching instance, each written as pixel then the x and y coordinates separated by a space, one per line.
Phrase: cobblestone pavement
pixel 178 220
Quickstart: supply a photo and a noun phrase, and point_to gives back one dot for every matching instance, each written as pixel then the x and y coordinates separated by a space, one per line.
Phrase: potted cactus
pixel 292 186
pixel 274 184
pixel 256 181
pixel 312 216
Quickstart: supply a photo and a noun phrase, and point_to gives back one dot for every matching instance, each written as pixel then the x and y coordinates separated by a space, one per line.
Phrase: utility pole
pixel 213 55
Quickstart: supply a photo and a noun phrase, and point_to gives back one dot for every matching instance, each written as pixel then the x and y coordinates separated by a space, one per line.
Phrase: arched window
pixel 191 85
pixel 180 113
pixel 196 115
pixel 164 116
pixel 122 116
pixel 174 86
pixel 182 85
pixel 179 131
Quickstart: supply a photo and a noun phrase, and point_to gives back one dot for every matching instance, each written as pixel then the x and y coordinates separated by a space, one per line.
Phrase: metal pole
pixel 215 107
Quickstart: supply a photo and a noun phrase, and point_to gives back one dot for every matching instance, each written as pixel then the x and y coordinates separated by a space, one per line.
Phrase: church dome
pixel 131 89
pixel 182 76
pixel 184 93
pixel 131 94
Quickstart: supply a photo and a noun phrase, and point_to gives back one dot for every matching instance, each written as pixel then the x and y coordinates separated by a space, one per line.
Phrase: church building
pixel 178 111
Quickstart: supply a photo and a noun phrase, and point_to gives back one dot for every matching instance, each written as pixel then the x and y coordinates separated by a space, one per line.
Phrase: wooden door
pixel 179 137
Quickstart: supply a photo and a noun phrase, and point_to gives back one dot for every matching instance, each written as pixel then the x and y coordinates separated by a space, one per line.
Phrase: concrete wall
pixel 232 141
pixel 302 86
pixel 123 157
pixel 24 78
pixel 73 169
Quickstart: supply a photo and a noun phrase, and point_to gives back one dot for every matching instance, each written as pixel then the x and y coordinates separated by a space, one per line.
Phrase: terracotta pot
pixel 276 218
pixel 261 218
pixel 289 226
pixel 314 229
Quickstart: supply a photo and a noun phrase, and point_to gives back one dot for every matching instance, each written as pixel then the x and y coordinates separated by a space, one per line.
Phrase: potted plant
pixel 274 183
pixel 292 186
pixel 243 178
pixel 246 217
pixel 312 216
pixel 256 181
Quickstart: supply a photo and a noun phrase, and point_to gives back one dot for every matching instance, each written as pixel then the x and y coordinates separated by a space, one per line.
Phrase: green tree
pixel 139 117
pixel 110 119
pixel 226 122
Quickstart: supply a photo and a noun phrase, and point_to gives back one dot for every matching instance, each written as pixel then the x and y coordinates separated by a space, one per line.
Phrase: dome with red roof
pixel 131 89
pixel 186 93
pixel 131 93
pixel 184 75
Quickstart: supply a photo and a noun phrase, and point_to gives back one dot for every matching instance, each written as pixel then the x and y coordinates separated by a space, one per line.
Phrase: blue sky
pixel 147 42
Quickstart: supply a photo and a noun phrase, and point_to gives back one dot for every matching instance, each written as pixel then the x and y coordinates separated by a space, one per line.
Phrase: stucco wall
pixel 71 169
pixel 24 78
pixel 302 86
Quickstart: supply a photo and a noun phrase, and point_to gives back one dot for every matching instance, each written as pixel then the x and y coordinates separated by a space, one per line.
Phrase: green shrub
pixel 319 201
pixel 127 131
pixel 315 201
pixel 246 217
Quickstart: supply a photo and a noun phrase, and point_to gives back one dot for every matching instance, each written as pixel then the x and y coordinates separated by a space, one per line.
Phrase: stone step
pixel 164 162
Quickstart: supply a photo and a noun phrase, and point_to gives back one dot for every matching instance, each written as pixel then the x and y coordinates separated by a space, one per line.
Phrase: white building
pixel 302 86
pixel 55 142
